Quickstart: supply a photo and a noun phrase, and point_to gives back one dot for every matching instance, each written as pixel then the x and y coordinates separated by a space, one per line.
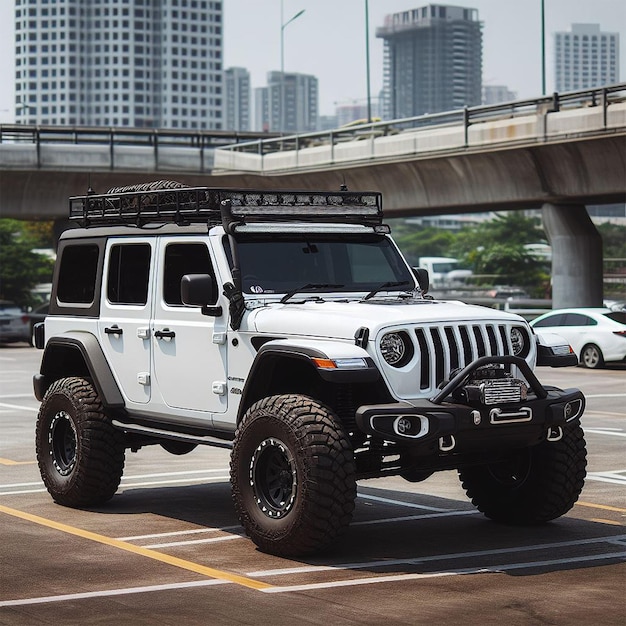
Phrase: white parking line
pixel 612 432
pixel 365 496
pixel 177 533
pixel 417 560
pixel 156 546
pixel 493 569
pixel 111 592
pixel 617 477
pixel 19 407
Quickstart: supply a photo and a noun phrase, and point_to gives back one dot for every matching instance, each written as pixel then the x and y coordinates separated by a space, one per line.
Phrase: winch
pixel 491 384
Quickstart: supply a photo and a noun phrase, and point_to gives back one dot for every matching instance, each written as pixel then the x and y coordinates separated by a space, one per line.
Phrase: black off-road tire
pixel 293 475
pixel 534 485
pixel 80 454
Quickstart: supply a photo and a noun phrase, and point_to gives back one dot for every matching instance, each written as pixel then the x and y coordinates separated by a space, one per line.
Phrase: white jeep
pixel 287 326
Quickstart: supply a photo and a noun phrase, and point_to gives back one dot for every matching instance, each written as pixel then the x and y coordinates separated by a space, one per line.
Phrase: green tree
pixel 495 250
pixel 417 241
pixel 20 268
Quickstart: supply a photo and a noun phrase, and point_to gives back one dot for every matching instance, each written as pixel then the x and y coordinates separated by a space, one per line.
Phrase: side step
pixel 206 440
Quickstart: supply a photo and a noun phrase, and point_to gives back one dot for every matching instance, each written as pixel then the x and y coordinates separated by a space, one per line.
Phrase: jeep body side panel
pixel 78 354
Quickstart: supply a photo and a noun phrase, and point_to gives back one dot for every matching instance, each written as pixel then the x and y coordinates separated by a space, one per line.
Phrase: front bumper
pixel 443 425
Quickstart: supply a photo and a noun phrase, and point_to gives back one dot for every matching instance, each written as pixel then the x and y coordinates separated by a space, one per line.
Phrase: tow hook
pixel 447 443
pixel 555 433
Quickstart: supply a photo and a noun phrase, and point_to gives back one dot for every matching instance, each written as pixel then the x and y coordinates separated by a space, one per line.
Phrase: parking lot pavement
pixel 168 548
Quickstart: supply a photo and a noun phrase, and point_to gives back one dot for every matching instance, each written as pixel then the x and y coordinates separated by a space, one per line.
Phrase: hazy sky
pixel 328 41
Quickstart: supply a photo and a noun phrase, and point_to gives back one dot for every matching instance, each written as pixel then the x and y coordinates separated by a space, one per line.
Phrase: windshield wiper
pixel 397 283
pixel 315 286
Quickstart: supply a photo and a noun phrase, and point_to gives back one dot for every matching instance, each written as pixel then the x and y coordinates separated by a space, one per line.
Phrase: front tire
pixel 80 454
pixel 591 357
pixel 293 475
pixel 532 486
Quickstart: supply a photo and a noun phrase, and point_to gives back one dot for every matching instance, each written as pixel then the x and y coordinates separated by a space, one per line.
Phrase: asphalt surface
pixel 168 548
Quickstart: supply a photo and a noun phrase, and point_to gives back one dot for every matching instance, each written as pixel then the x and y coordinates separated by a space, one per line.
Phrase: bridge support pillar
pixel 576 256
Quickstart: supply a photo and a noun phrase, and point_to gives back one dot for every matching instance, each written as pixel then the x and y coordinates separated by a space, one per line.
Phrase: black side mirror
pixel 423 280
pixel 199 290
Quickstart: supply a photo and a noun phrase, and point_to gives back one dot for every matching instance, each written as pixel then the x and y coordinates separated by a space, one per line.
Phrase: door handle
pixel 113 330
pixel 166 333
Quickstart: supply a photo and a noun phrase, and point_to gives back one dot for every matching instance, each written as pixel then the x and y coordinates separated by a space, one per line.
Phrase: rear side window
pixel 77 274
pixel 129 270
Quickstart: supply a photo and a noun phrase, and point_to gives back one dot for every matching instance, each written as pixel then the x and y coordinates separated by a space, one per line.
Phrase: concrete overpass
pixel 558 153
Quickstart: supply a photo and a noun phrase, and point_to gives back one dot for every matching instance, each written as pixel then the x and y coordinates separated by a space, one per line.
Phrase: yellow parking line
pixel 604 507
pixel 10 462
pixel 128 547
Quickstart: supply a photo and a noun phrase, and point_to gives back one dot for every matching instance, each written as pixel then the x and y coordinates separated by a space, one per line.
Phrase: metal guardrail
pixel 601 96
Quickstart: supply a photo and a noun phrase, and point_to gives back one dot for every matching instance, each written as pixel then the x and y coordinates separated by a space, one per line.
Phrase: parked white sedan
pixel 597 335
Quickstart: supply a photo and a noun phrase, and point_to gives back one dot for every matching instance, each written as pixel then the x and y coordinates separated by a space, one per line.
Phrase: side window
pixel 553 320
pixel 181 259
pixel 77 274
pixel 577 319
pixel 129 269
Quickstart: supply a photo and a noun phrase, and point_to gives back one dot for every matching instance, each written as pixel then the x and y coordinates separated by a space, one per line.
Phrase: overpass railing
pixel 109 148
pixel 461 118
pixel 101 135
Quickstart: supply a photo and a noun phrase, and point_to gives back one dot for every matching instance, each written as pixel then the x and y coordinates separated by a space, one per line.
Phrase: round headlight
pixel 518 341
pixel 396 349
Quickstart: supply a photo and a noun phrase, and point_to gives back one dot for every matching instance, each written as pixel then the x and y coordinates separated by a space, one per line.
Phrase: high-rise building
pixel 292 103
pixel 146 63
pixel 494 94
pixel 432 60
pixel 237 99
pixel 261 110
pixel 585 57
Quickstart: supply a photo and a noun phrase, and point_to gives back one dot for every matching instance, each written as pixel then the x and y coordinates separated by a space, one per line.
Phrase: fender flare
pixel 93 357
pixel 306 352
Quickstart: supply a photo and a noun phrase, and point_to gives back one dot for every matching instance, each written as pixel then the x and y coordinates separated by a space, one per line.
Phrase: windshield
pixel 270 265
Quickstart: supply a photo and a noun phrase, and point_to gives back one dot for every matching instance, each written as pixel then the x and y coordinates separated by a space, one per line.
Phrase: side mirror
pixel 199 290
pixel 423 280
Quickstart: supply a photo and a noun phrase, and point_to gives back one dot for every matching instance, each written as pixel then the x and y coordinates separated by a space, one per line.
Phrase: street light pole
pixel 543 48
pixel 367 60
pixel 284 25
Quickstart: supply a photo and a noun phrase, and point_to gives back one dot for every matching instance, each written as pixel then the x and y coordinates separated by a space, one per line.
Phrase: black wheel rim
pixel 273 478
pixel 514 471
pixel 62 441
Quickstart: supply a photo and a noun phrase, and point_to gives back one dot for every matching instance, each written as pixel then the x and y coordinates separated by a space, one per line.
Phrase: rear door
pixel 124 323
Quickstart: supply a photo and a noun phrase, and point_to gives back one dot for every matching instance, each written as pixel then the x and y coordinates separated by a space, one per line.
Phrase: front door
pixel 189 348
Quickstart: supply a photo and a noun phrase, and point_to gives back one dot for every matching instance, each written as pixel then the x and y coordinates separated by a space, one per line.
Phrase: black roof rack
pixel 205 205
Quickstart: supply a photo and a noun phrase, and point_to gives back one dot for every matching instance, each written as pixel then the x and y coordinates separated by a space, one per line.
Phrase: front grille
pixel 446 348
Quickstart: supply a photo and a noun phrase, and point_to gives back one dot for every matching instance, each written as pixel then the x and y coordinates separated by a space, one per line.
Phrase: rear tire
pixel 293 475
pixel 80 454
pixel 533 485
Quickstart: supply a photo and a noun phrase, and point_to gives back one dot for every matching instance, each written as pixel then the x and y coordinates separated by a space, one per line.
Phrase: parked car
pixel 597 335
pixel 14 323
pixel 38 314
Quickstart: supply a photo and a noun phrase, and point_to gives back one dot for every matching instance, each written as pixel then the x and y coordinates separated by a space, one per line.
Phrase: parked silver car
pixel 14 323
